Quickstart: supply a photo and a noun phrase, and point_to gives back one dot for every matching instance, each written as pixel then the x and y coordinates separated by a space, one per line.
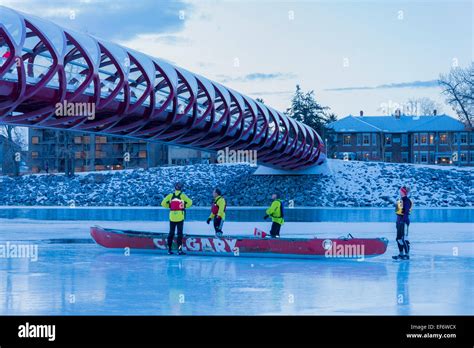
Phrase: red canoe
pixel 245 246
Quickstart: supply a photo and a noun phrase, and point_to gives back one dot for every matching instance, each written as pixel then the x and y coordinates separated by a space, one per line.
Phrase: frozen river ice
pixel 74 276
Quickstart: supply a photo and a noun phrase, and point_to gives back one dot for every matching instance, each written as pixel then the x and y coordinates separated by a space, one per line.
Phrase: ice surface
pixel 84 278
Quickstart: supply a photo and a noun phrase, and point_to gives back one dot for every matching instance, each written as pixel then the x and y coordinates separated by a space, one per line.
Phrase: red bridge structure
pixel 44 66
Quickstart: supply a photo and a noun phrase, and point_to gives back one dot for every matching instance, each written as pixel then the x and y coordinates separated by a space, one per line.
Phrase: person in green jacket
pixel 276 212
pixel 176 202
pixel 217 212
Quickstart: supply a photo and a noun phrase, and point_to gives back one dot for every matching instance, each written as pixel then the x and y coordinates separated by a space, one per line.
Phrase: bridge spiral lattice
pixel 134 95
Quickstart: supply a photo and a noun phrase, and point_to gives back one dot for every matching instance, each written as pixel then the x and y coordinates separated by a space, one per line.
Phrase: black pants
pixel 218 223
pixel 275 230
pixel 403 245
pixel 173 226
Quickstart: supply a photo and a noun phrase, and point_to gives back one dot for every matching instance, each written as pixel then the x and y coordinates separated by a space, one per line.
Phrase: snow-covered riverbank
pixel 349 184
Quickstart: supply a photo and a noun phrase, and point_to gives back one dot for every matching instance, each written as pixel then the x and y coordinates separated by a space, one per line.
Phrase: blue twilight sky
pixel 355 55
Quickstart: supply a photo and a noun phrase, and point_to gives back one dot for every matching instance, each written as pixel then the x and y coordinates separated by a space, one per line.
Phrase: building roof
pixel 392 124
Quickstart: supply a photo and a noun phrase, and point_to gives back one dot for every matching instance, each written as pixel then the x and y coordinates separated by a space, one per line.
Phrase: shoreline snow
pixel 350 184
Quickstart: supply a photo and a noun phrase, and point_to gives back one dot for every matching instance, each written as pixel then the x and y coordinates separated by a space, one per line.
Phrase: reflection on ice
pixel 83 278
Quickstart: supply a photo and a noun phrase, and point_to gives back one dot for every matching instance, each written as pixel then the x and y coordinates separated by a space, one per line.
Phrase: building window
pixel 366 139
pixel 404 157
pixel 471 156
pixel 101 140
pixel 374 139
pixel 443 139
pixel 34 154
pixel 142 154
pixel 424 139
pixel 463 138
pixel 472 138
pixel 346 140
pixel 388 157
pixel 432 139
pixel 463 157
pixel 424 157
pixel 388 139
pixel 35 140
pixel 375 155
pixel 415 139
pixel 77 140
pixel 404 139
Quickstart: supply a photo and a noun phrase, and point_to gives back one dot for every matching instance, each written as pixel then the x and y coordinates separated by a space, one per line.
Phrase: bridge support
pixel 322 169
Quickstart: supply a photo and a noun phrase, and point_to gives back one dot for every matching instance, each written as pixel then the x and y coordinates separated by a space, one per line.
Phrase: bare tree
pixel 421 107
pixel 14 142
pixel 66 151
pixel 458 87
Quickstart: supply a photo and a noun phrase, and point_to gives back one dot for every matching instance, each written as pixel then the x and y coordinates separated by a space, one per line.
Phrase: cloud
pixel 265 93
pixel 111 20
pixel 175 40
pixel 205 65
pixel 256 77
pixel 412 84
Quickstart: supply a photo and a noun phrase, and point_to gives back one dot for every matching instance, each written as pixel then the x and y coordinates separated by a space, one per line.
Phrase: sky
pixel 354 55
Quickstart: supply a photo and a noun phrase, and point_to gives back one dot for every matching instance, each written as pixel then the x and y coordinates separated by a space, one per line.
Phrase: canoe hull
pixel 244 246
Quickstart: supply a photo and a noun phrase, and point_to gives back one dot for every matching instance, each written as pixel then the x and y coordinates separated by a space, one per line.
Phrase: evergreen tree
pixel 331 117
pixel 306 109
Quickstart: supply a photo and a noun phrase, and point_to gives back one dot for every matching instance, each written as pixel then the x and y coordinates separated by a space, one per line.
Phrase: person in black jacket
pixel 403 210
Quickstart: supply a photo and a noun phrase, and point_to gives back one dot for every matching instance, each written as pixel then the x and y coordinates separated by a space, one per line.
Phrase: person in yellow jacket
pixel 276 212
pixel 176 202
pixel 217 212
